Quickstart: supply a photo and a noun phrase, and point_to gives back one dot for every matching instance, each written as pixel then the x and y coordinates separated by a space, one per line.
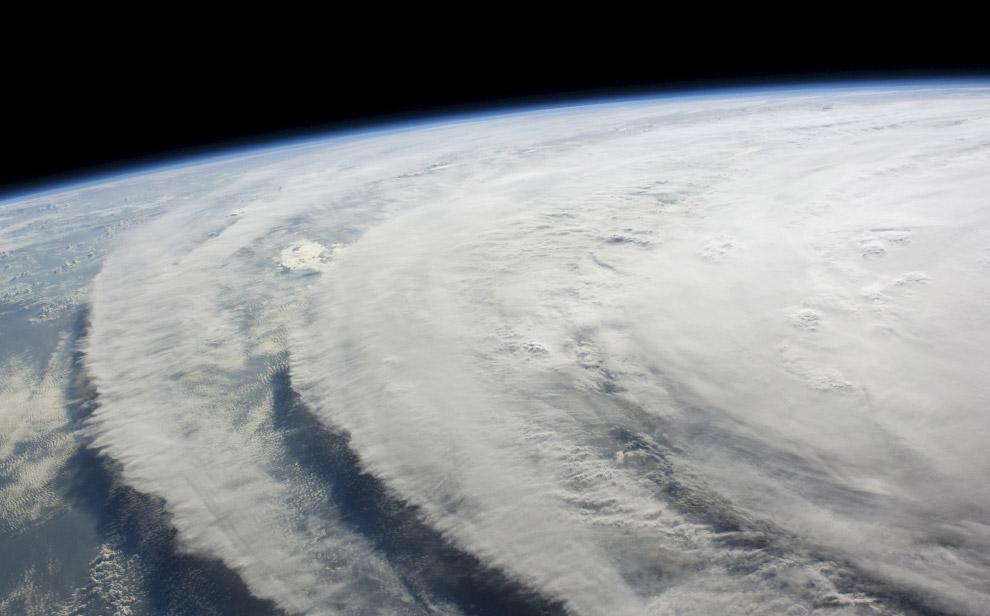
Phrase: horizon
pixel 223 151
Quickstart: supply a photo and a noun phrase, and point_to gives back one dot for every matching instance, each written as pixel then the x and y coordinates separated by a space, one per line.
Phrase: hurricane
pixel 718 353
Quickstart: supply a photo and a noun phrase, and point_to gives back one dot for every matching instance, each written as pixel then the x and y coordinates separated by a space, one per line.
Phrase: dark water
pixel 149 571
pixel 432 568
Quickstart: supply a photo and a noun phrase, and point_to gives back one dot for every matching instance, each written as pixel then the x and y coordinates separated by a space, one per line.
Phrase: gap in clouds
pixel 647 450
pixel 420 554
pixel 136 529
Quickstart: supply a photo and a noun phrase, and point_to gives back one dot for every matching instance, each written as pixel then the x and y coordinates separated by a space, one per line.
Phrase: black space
pixel 103 107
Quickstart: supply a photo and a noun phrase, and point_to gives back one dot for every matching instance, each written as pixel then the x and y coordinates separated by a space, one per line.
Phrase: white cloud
pixel 35 441
pixel 692 356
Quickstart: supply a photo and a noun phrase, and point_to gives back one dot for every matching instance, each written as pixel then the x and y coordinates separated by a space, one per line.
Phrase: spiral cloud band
pixel 721 354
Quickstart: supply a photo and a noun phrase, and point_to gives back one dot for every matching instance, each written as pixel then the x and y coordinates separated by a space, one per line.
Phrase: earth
pixel 717 353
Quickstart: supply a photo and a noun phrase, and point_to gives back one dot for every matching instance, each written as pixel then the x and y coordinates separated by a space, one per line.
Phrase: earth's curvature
pixel 726 353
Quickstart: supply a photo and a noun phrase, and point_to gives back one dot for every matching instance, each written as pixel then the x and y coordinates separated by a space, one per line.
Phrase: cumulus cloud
pixel 35 440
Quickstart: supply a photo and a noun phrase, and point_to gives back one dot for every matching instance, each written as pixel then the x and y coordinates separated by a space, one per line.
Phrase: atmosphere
pixel 720 351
